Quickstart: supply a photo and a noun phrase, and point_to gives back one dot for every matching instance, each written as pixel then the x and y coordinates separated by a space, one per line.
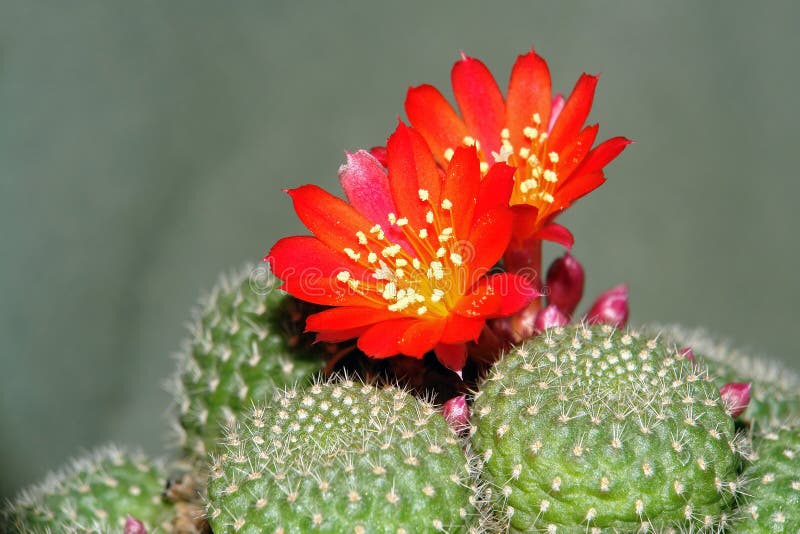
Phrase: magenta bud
pixel 610 307
pixel 379 153
pixel 736 397
pixel 549 317
pixel 456 412
pixel 134 526
pixel 687 353
pixel 565 283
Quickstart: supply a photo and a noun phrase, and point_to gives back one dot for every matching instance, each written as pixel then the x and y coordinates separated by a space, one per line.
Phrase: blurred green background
pixel 143 146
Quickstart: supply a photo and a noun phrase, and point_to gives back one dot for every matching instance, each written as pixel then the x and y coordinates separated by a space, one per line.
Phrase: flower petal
pixel 496 296
pixel 488 238
pixel 577 187
pixel 461 184
pixel 366 185
pixel 330 218
pixel 557 234
pixel 460 329
pixel 480 101
pixel 495 189
pixel 452 356
pixel 290 257
pixel 574 153
pixel 602 154
pixel 421 337
pixel 573 116
pixel 435 119
pixel 411 168
pixel 347 318
pixel 382 340
pixel 529 92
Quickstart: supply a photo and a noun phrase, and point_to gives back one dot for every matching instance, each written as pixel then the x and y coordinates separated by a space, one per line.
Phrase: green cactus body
pixel 342 457
pixel 773 488
pixel 243 344
pixel 95 494
pixel 589 429
pixel 775 391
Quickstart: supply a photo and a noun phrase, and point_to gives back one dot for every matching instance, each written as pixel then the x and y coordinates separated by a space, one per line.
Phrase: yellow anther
pixel 392 218
pixel 437 295
pixel 484 167
pixel 550 176
pixel 547 197
pixel 429 217
pixel 423 234
pixel 391 251
pixel 505 133
pixel 537 119
pixel 468 141
pixel 441 252
pixel 456 259
pixel 524 152
pixel 362 237
pixel 423 195
pixel 530 132
pixel 375 229
pixel 372 257
pixel 416 263
pixel 343 276
pixel 448 154
pixel 422 310
pixel 352 254
pixel 401 262
pixel 402 221
pixel 446 204
pixel 553 157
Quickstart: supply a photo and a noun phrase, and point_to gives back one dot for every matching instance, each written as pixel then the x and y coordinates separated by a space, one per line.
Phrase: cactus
pixel 244 341
pixel 773 488
pixel 342 456
pixel 96 493
pixel 775 391
pixel 591 428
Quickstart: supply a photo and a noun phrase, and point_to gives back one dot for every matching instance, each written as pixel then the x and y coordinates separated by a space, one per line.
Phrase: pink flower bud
pixel 134 526
pixel 456 412
pixel 735 397
pixel 687 353
pixel 549 317
pixel 611 307
pixel 565 281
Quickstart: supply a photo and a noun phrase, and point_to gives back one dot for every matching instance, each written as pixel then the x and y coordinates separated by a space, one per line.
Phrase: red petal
pixel 574 114
pixel 421 337
pixel 290 257
pixel 488 239
pixel 603 153
pixel 578 186
pixel 452 356
pixel 480 101
pixel 495 189
pixel 327 291
pixel 337 336
pixel 435 119
pixel 460 329
pixel 461 184
pixel 557 234
pixel 383 339
pixel 331 219
pixel 529 92
pixel 366 185
pixel 411 168
pixel 573 154
pixel 379 153
pixel 347 318
pixel 497 295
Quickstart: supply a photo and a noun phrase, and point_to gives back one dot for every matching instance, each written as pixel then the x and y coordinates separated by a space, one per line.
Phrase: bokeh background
pixel 143 146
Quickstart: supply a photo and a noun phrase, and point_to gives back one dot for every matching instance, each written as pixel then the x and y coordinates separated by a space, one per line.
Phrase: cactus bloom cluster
pixel 406 367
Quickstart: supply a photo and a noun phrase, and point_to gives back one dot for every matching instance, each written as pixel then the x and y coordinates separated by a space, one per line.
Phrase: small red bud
pixel 549 317
pixel 736 397
pixel 610 307
pixel 379 153
pixel 456 412
pixel 565 279
pixel 687 353
pixel 134 526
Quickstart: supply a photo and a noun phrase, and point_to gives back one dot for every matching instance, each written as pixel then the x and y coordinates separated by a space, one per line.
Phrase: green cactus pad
pixel 773 487
pixel 775 391
pixel 590 428
pixel 95 494
pixel 342 457
pixel 243 343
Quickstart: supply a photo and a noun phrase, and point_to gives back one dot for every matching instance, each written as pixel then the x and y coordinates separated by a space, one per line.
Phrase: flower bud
pixel 379 153
pixel 611 307
pixel 456 412
pixel 736 397
pixel 564 280
pixel 134 526
pixel 687 353
pixel 549 317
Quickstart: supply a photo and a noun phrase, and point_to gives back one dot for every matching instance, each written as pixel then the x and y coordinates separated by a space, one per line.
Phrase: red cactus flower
pixel 543 136
pixel 405 264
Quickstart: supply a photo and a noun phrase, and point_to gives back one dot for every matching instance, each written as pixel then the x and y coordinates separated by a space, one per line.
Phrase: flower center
pixel 537 169
pixel 415 272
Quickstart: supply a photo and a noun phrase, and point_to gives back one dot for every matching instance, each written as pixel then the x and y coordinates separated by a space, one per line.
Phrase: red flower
pixel 542 136
pixel 405 263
